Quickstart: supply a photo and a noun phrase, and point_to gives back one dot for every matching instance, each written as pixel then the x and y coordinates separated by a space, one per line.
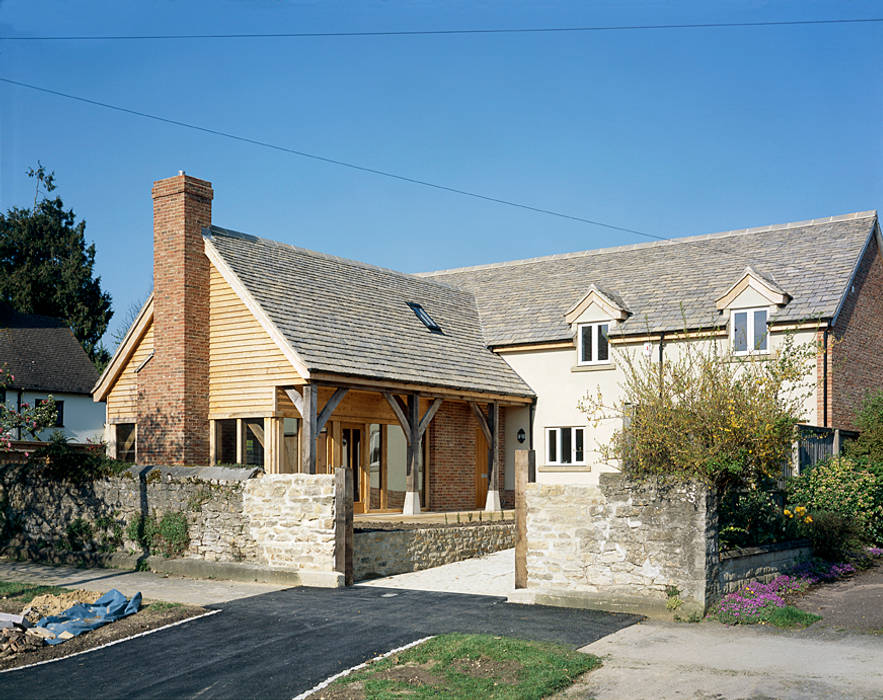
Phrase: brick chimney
pixel 173 385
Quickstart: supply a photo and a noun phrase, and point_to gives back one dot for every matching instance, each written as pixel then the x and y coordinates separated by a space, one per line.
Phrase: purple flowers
pixel 754 601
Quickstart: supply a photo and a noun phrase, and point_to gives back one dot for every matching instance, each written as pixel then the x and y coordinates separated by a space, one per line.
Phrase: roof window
pixel 420 312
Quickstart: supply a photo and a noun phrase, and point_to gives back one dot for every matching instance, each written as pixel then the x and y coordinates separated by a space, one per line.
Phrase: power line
pixel 381 173
pixel 442 32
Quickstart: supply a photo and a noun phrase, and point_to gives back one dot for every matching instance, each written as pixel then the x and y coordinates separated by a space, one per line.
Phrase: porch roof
pixel 348 318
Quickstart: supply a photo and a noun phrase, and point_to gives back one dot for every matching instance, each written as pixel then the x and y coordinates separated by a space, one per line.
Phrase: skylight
pixel 420 312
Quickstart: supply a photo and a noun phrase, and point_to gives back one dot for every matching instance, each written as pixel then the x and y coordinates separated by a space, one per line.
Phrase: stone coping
pixel 368 525
pixel 739 552
pixel 200 473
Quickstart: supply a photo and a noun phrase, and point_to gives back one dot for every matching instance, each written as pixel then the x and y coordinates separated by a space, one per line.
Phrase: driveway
pixel 280 644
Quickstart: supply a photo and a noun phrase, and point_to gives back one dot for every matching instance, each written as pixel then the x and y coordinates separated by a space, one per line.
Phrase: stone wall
pixel 621 541
pixel 760 563
pixel 389 552
pixel 234 516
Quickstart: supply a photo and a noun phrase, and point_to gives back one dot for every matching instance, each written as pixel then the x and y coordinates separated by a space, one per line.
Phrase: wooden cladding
pixel 245 364
pixel 122 399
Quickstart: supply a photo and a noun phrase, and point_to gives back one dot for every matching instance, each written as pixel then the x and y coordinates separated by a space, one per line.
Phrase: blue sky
pixel 671 132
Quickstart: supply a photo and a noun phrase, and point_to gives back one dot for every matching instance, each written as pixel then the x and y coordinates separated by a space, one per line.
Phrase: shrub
pixel 843 487
pixel 834 536
pixel 705 415
pixel 59 461
pixel 869 420
pixel 750 518
pixel 169 536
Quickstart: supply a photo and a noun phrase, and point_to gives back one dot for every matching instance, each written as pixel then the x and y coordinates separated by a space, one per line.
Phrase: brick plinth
pixel 173 386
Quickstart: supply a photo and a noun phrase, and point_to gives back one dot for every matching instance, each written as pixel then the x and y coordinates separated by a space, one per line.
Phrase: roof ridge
pixel 328 256
pixel 654 244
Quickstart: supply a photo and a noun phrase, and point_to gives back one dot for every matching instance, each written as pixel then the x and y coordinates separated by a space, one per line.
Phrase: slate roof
pixel 524 301
pixel 347 317
pixel 42 354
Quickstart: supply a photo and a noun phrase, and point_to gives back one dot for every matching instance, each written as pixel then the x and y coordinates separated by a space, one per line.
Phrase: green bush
pixel 869 420
pixel 751 518
pixel 59 461
pixel 169 536
pixel 846 487
pixel 834 536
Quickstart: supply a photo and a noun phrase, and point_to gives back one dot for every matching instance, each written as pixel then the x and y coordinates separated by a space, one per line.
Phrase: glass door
pixel 352 457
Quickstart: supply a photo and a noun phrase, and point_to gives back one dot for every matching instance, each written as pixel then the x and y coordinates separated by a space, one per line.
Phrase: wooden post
pixel 412 496
pixel 525 461
pixel 212 440
pixel 489 426
pixel 240 441
pixel 309 433
pixel 343 524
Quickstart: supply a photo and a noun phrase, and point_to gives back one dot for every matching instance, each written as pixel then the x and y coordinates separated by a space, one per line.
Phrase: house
pixel 45 359
pixel 252 351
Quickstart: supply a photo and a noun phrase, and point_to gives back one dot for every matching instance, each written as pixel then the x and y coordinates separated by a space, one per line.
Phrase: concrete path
pixel 153 586
pixel 708 660
pixel 280 644
pixel 493 574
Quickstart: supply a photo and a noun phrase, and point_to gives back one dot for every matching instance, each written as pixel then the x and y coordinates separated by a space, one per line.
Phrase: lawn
pixel 466 666
pixel 14 595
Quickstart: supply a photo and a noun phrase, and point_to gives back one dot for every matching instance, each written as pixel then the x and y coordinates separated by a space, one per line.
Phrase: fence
pixel 815 444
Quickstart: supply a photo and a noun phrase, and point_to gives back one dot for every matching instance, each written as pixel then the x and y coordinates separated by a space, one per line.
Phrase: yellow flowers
pixel 807 519
pixel 800 511
pixel 788 513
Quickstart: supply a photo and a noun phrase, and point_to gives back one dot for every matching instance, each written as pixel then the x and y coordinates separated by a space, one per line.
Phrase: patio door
pixel 353 457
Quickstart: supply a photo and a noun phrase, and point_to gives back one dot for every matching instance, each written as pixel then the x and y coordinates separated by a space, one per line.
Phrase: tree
pixel 706 415
pixel 47 268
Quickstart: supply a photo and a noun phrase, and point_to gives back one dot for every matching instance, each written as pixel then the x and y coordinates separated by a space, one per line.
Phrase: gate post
pixel 343 524
pixel 525 468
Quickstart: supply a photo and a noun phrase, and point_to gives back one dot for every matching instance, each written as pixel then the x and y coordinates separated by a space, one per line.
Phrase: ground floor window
pixel 290 451
pixel 253 441
pixel 565 446
pixel 125 441
pixel 225 441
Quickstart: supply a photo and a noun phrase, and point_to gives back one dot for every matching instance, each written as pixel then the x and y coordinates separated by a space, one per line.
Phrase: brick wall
pixel 856 358
pixel 452 457
pixel 172 396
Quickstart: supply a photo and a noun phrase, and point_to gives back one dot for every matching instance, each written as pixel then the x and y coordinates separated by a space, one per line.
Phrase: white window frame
pixel 557 431
pixel 596 330
pixel 750 331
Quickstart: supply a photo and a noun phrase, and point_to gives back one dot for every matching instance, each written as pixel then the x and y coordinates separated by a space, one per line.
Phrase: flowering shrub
pixel 752 517
pixel 30 419
pixel 706 415
pixel 843 488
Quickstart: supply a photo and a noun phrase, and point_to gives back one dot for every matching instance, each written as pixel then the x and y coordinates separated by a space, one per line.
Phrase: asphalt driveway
pixel 279 644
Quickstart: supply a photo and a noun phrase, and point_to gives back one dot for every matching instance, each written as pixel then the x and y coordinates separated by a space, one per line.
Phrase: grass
pixel 159 605
pixel 472 666
pixel 790 617
pixel 24 593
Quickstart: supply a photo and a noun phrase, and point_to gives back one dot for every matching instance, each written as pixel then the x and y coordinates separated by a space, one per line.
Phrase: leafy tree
pixel 47 268
pixel 706 415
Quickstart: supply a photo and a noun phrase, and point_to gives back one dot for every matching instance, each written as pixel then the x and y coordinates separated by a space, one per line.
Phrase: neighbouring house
pixel 256 352
pixel 45 359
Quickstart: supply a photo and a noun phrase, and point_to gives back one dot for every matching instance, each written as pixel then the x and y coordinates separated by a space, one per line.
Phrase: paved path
pixel 280 644
pixel 678 660
pixel 154 586
pixel 493 574
pixel 855 604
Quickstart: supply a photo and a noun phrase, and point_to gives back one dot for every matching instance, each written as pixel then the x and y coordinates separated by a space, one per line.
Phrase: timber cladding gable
pixel 122 399
pixel 245 363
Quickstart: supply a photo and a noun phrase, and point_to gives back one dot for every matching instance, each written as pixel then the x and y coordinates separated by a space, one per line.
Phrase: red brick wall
pixel 856 358
pixel 173 386
pixel 452 456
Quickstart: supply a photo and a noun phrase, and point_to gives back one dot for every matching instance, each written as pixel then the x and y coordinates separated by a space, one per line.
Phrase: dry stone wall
pixel 759 564
pixel 622 539
pixel 389 552
pixel 283 521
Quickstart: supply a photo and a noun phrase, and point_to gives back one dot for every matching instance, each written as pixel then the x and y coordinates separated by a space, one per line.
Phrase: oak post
pixel 525 461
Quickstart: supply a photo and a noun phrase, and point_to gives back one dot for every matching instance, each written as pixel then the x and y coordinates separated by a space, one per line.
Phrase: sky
pixel 670 132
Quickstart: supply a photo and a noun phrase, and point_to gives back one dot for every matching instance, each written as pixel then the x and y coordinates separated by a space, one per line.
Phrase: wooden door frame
pixel 481 468
pixel 362 505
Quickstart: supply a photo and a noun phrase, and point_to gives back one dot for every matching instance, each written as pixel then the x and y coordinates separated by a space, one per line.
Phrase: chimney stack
pixel 173 385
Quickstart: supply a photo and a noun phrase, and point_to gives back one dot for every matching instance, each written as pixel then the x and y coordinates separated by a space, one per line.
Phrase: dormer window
pixel 592 344
pixel 748 331
pixel 426 319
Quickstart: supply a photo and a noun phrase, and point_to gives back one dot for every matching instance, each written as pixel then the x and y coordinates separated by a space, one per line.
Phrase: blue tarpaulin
pixel 79 618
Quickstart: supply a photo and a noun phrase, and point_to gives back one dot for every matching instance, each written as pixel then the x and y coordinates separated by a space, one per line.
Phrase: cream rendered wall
pixel 83 417
pixel 560 384
pixel 515 418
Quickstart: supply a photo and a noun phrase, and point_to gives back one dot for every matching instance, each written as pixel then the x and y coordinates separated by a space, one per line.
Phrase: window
pixel 592 343
pixel 125 439
pixel 749 331
pixel 59 411
pixel 253 441
pixel 225 441
pixel 420 312
pixel 565 445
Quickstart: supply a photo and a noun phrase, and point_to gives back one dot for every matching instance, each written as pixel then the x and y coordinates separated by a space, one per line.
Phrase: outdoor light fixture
pixel 521 435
